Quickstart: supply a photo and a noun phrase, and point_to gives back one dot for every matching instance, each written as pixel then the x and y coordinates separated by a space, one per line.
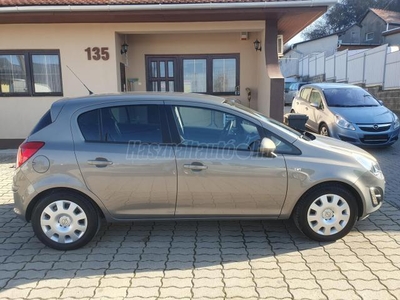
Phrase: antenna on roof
pixel 90 92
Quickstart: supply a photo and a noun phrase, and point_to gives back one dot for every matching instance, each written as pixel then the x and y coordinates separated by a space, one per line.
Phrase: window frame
pixel 175 135
pixel 29 73
pixel 367 34
pixel 165 133
pixel 179 58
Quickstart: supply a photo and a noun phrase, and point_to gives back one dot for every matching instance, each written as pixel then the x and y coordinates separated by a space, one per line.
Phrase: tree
pixel 344 14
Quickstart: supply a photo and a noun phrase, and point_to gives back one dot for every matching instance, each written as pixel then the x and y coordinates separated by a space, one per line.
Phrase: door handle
pixel 195 166
pixel 100 162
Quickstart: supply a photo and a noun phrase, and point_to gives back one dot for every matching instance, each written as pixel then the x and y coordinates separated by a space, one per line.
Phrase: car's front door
pixel 315 110
pixel 123 159
pixel 219 171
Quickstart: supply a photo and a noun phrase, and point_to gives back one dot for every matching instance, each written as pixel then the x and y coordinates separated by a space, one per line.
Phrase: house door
pixel 162 74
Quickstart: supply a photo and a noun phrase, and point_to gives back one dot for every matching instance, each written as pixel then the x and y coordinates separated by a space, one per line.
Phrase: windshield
pixel 267 119
pixel 349 97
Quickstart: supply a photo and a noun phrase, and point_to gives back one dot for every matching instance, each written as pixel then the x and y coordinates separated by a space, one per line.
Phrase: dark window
pixel 30 73
pixel 89 123
pixel 216 74
pixel 211 128
pixel 122 124
pixel 44 121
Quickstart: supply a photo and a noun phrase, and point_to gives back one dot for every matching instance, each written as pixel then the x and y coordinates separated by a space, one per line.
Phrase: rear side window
pixel 43 122
pixel 122 124
pixel 89 123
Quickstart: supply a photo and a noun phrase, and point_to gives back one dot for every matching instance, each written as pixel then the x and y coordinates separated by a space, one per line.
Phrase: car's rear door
pixel 124 159
pixel 218 173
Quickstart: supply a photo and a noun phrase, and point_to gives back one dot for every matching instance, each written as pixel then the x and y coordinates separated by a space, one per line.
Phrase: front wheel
pixel 65 221
pixel 326 213
pixel 324 130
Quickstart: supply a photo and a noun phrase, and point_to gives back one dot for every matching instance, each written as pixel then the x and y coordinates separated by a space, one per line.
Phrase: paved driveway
pixel 206 260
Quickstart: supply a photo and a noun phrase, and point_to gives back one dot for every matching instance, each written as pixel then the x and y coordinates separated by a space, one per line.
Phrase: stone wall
pixel 391 98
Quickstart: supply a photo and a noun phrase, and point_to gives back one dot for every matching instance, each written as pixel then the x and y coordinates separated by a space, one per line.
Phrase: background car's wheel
pixel 292 111
pixel 324 130
pixel 65 221
pixel 326 213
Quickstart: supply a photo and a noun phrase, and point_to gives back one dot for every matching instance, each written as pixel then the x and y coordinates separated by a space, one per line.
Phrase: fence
pixel 373 67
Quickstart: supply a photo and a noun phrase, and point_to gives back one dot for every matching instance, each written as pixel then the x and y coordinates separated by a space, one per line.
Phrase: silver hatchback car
pixel 347 112
pixel 141 156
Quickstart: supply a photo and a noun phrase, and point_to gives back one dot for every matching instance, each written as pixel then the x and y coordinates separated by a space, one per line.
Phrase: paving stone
pixel 175 292
pixel 14 293
pixel 46 293
pixel 208 292
pixel 143 292
pixel 344 294
pixel 274 292
pixel 208 282
pixel 370 294
pixel 115 282
pixel 306 293
pixel 146 282
pixel 78 292
pixel 243 292
pixel 110 292
pixel 177 282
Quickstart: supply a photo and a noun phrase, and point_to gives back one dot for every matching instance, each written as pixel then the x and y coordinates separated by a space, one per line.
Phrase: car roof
pixel 78 102
pixel 331 85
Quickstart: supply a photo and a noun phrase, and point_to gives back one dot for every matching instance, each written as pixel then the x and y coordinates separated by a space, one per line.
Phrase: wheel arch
pixel 32 204
pixel 351 189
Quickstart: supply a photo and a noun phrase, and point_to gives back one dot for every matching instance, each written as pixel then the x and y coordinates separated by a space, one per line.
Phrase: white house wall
pixel 20 114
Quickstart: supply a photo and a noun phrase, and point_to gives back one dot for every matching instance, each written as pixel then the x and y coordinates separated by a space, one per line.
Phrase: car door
pixel 315 110
pixel 219 174
pixel 123 159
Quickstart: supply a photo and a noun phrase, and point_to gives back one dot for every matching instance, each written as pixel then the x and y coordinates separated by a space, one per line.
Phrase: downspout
pixel 164 7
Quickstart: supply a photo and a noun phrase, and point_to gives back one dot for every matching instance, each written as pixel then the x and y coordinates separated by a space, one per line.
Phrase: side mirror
pixel 316 105
pixel 267 147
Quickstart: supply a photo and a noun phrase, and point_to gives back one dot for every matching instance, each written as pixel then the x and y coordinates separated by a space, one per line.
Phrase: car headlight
pixel 341 122
pixel 369 164
pixel 396 123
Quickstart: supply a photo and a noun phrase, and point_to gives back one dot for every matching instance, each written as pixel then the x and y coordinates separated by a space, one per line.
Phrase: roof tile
pixel 119 2
pixel 391 17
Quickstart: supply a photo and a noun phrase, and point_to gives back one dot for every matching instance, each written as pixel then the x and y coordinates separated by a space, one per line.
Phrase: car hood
pixel 339 146
pixel 375 114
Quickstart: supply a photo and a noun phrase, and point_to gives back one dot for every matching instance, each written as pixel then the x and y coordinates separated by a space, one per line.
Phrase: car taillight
pixel 26 151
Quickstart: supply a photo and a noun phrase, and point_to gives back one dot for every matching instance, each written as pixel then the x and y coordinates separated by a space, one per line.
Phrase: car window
pixel 305 93
pixel 315 98
pixel 293 87
pixel 349 97
pixel 123 124
pixel 213 128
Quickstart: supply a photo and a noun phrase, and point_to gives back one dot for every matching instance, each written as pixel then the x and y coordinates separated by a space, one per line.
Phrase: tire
pixel 326 213
pixel 324 130
pixel 65 221
pixel 292 111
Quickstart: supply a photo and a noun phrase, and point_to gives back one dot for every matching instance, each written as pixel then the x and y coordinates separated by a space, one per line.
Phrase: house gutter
pixel 164 7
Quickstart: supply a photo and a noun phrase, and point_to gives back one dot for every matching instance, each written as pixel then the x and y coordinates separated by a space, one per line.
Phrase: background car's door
pixel 123 159
pixel 300 103
pixel 315 110
pixel 218 174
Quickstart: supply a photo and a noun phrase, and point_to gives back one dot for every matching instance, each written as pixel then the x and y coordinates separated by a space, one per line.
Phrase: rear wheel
pixel 292 111
pixel 65 221
pixel 326 213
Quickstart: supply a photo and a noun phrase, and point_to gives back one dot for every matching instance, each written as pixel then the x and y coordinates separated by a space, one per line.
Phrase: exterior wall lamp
pixel 124 48
pixel 257 45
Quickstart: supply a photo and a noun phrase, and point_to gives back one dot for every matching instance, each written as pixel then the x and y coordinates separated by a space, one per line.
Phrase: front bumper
pixel 360 137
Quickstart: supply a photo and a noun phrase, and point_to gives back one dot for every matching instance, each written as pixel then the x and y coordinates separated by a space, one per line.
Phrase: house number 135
pixel 97 53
